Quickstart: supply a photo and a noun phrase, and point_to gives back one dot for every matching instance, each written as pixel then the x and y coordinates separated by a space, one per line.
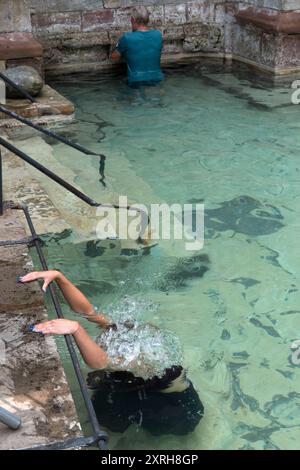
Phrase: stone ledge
pixel 270 20
pixel 49 103
pixel 268 70
pixel 33 384
pixel 107 67
pixel 19 46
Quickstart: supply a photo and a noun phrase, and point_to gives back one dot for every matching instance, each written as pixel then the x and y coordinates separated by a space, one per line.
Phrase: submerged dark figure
pixel 243 214
pixel 167 405
pixel 139 377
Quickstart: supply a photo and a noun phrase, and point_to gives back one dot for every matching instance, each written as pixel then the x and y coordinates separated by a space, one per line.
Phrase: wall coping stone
pixel 287 22
pixel 18 46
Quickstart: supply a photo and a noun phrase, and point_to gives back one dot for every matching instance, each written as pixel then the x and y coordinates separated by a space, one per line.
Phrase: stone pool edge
pixel 32 380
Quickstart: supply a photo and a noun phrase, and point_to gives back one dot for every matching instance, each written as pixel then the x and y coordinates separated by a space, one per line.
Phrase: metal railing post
pixel 100 436
pixel 10 419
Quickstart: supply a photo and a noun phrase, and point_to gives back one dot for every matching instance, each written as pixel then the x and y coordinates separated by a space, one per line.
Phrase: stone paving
pixel 32 382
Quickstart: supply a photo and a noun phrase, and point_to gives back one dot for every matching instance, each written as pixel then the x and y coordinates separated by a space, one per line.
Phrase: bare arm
pixel 115 55
pixel 93 355
pixel 75 298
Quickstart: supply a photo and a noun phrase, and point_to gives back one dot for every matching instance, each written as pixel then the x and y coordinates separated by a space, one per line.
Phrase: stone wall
pixel 267 33
pixel 14 16
pixel 78 34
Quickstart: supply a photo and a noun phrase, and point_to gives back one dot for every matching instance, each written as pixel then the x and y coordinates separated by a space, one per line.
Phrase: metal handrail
pixel 47 172
pixel 10 419
pixel 100 438
pixel 144 216
pixel 47 132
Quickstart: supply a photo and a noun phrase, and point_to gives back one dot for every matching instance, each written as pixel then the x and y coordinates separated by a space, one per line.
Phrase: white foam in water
pixel 130 308
pixel 142 349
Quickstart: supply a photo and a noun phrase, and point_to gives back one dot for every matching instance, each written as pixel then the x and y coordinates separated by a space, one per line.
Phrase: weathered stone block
pixel 156 15
pixel 172 32
pixel 273 4
pixel 19 45
pixel 42 6
pixel 268 49
pixel 172 47
pixel 288 51
pixel 247 43
pixel 203 12
pixel 203 37
pixel 53 55
pixel 122 18
pixel 97 20
pixel 220 14
pixel 67 55
pixel 290 5
pixel 131 3
pixel 229 25
pixel 14 17
pixel 65 22
pixel 82 56
pixel 176 14
pixel 192 29
pixel 118 3
pixel 85 40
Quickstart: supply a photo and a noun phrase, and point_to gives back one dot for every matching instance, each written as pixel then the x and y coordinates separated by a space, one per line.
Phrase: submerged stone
pixel 245 281
pixel 225 335
pixel 183 270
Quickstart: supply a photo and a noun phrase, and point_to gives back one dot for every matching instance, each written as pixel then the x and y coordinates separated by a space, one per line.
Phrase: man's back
pixel 141 51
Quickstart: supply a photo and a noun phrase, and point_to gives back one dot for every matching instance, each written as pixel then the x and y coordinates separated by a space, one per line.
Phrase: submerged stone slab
pixel 20 186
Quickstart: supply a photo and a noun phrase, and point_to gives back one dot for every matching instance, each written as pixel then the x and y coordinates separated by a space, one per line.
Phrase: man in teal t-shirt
pixel 141 50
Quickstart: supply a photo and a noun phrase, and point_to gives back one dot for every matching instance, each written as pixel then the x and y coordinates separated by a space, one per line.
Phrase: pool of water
pixel 234 143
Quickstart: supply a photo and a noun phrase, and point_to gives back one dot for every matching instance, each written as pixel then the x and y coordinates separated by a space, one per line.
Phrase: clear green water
pixel 234 143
